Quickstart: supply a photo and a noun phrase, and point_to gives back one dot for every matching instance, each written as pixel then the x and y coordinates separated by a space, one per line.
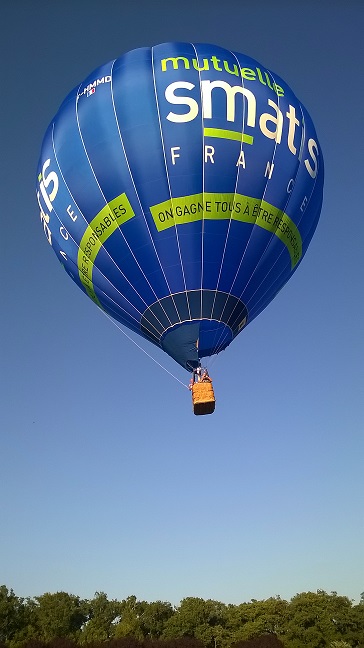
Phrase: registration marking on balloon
pixel 214 206
pixel 107 221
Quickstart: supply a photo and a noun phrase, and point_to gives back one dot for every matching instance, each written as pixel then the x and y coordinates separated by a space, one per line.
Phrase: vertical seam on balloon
pixel 302 216
pixel 77 245
pixel 203 180
pixel 300 220
pixel 93 172
pixel 84 218
pixel 229 293
pixel 71 237
pixel 283 210
pixel 119 228
pixel 216 341
pixel 285 207
pixel 169 184
pixel 137 195
pixel 71 260
pixel 272 237
pixel 254 225
pixel 123 320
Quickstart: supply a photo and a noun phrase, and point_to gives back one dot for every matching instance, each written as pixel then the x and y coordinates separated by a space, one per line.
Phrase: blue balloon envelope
pixel 180 186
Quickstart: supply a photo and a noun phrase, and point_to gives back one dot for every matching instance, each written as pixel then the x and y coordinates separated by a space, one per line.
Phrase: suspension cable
pixel 141 348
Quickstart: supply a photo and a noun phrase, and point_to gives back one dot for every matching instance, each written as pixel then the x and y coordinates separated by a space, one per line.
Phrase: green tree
pixel 154 617
pixel 102 617
pixel 195 617
pixel 59 615
pixel 355 631
pixel 130 623
pixel 28 630
pixel 249 620
pixel 316 619
pixel 12 614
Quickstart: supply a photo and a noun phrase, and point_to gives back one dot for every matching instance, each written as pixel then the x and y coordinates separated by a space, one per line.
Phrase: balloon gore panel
pixel 180 186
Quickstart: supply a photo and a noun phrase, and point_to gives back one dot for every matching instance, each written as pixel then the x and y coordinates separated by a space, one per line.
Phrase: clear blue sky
pixel 107 480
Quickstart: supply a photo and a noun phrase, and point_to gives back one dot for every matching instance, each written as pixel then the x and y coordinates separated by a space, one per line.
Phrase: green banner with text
pixel 107 221
pixel 214 206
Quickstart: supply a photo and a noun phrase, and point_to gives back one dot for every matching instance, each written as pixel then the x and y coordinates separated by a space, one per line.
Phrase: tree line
pixel 62 620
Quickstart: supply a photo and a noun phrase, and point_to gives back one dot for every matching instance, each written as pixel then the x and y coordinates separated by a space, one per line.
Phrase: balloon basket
pixel 203 398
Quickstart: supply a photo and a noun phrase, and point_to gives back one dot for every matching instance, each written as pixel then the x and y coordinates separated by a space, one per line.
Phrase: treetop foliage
pixel 62 620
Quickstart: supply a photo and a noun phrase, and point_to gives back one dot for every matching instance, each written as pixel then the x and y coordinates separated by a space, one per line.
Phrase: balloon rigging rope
pixel 141 348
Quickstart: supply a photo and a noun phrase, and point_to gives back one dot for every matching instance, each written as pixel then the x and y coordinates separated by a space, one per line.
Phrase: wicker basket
pixel 203 398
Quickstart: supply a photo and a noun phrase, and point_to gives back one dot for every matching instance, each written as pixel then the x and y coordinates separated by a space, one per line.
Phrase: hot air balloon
pixel 180 186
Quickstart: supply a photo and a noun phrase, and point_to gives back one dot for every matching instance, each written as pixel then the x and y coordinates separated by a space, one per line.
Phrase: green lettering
pixel 175 62
pixel 204 67
pixel 268 80
pixel 235 68
pixel 260 76
pixel 248 73
pixel 215 62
